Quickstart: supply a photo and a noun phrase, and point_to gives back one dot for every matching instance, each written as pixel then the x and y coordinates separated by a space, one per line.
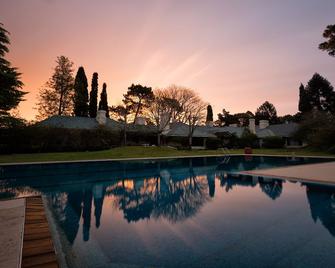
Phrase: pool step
pixel 38 249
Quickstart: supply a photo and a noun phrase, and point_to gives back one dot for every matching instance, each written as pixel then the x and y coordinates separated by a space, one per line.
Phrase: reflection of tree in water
pixel 322 204
pixel 70 207
pixel 271 187
pixel 160 197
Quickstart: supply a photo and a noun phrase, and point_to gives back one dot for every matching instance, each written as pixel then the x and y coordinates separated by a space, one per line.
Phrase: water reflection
pixel 173 190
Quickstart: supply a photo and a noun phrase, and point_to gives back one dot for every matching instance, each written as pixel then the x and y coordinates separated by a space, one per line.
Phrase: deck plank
pixel 38 249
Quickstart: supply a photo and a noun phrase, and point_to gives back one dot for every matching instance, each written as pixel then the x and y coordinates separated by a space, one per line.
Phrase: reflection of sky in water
pixel 192 213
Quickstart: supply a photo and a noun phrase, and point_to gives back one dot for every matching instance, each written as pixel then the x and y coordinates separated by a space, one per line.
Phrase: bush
pixel 273 142
pixel 247 139
pixel 33 139
pixel 212 144
pixel 141 137
pixel 318 130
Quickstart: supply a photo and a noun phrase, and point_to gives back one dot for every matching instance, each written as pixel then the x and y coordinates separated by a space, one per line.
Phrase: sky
pixel 235 54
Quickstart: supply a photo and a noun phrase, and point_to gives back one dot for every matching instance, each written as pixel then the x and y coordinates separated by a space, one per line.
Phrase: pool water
pixel 189 212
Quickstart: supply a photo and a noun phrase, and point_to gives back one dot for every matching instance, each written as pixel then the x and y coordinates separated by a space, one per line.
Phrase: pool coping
pixel 156 158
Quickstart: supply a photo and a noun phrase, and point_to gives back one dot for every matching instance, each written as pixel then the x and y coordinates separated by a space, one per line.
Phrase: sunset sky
pixel 235 54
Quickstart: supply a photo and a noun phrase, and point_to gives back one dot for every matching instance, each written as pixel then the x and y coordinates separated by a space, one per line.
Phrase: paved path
pixel 11 232
pixel 318 173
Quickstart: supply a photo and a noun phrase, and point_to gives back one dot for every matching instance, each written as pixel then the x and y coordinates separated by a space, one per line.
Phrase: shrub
pixel 247 139
pixel 212 144
pixel 273 142
pixel 33 139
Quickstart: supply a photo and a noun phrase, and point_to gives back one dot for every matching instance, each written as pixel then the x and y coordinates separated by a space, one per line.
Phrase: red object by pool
pixel 248 150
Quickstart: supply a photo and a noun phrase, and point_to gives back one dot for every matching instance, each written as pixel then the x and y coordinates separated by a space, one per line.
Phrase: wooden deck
pixel 38 249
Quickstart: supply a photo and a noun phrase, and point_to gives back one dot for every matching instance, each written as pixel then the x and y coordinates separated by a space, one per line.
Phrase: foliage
pixel 318 94
pixel 227 139
pixel 81 93
pixel 56 97
pixel 138 98
pixel 273 142
pixel 93 96
pixel 247 139
pixel 8 121
pixel 10 84
pixel 103 103
pixel 318 130
pixel 267 111
pixel 329 45
pixel 209 117
pixel 290 118
pixel 33 139
pixel 161 111
pixel 226 119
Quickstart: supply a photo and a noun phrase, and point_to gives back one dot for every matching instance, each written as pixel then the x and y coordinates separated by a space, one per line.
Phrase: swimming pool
pixel 186 212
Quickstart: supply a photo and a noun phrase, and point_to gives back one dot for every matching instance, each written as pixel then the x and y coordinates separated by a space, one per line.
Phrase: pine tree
pixel 81 94
pixel 94 96
pixel 103 103
pixel 320 94
pixel 57 94
pixel 209 117
pixel 10 84
pixel 304 100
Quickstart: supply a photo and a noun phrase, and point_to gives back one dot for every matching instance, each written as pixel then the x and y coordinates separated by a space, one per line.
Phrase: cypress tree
pixel 209 117
pixel 81 94
pixel 94 96
pixel 304 100
pixel 103 104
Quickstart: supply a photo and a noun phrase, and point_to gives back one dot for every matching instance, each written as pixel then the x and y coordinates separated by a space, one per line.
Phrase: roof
pixel 77 122
pixel 284 130
pixel 181 130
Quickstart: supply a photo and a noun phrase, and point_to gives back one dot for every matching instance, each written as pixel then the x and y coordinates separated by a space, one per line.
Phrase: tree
pixel 329 45
pixel 122 112
pixel 94 96
pixel 209 117
pixel 103 103
pixel 226 119
pixel 304 100
pixel 266 111
pixel 319 95
pixel 56 97
pixel 161 110
pixel 190 110
pixel 81 93
pixel 138 98
pixel 10 84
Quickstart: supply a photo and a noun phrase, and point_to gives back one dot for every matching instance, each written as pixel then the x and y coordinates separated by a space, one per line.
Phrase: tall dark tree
pixel 103 103
pixel 329 45
pixel 209 117
pixel 304 100
pixel 138 97
pixel 56 97
pixel 10 84
pixel 94 96
pixel 267 111
pixel 226 119
pixel 81 93
pixel 320 94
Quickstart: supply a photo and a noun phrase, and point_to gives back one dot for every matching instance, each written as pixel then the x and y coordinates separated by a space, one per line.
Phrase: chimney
pixel 263 124
pixel 101 117
pixel 252 126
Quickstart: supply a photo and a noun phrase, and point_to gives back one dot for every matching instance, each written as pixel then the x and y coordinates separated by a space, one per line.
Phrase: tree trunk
pixel 190 141
pixel 137 110
pixel 60 104
pixel 158 139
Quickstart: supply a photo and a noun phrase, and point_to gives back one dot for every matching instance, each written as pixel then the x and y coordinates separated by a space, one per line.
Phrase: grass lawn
pixel 140 151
